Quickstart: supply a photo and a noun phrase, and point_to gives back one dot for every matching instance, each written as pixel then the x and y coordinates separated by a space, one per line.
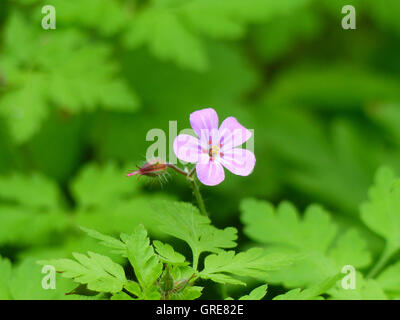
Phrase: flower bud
pixel 152 168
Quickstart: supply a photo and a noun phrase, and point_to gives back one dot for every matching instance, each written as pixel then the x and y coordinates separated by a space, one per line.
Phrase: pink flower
pixel 215 148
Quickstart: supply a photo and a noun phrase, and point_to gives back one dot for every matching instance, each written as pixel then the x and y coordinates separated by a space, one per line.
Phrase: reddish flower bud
pixel 152 168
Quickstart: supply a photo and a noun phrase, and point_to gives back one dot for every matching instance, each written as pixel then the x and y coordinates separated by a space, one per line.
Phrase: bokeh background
pixel 77 102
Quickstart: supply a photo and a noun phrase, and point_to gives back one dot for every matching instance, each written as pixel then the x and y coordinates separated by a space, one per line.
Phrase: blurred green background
pixel 77 102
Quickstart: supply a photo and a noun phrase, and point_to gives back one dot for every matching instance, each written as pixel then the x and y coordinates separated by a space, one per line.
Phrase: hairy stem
pixel 195 186
pixel 198 196
pixel 175 168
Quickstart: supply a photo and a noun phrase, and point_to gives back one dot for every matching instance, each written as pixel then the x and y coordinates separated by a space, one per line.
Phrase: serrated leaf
pixel 26 283
pixel 167 254
pixel 43 68
pixel 29 226
pixel 167 38
pixel 251 263
pixel 32 190
pixel 189 293
pixel 143 259
pixel 133 287
pixel 112 14
pixel 312 236
pixel 312 293
pixel 256 294
pixel 284 227
pixel 99 272
pixel 118 246
pixel 183 221
pixel 381 213
pixel 351 249
pixel 101 186
pixel 366 289
pixel 171 28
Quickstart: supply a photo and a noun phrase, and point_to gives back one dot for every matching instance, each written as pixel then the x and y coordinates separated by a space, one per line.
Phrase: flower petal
pixel 187 148
pixel 232 133
pixel 204 122
pixel 238 161
pixel 211 173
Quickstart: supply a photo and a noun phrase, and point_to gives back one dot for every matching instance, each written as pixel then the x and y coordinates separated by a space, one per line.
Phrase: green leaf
pixel 366 289
pixel 251 263
pixel 20 225
pixel 32 190
pixel 26 283
pixel 312 293
pixel 381 213
pixel 171 29
pixel 133 287
pixel 30 202
pixel 188 293
pixel 183 221
pixel 99 272
pixel 112 14
pixel 121 296
pixel 389 279
pixel 167 38
pixel 256 294
pixel 43 68
pixel 118 246
pixel 141 255
pixel 167 254
pixel 25 108
pixel 284 227
pixel 351 249
pixel 312 236
pixel 101 186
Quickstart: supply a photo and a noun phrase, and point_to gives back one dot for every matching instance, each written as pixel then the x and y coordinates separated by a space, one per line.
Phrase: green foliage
pixel 43 69
pixel 389 279
pixel 366 289
pixel 109 186
pixel 162 272
pixel 256 294
pixel 252 263
pixel 183 221
pixel 24 282
pixel 326 253
pixel 167 254
pixel 76 104
pixel 382 212
pixel 173 28
pixel 98 272
pixel 312 236
pixel 143 259
pixel 312 293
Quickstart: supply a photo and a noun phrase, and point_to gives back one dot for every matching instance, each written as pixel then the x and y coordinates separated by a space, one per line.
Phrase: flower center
pixel 213 151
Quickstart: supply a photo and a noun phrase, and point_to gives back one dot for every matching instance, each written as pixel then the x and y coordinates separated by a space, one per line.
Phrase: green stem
pixel 224 291
pixel 195 260
pixel 383 259
pixel 189 176
pixel 198 196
